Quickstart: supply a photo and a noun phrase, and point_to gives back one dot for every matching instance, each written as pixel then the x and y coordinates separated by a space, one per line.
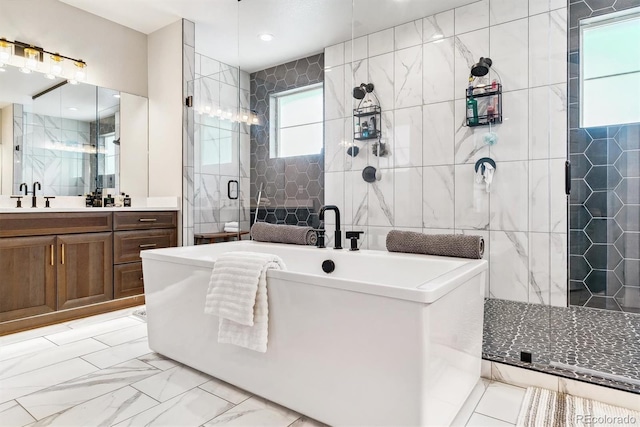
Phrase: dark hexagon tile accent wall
pixel 604 236
pixel 293 186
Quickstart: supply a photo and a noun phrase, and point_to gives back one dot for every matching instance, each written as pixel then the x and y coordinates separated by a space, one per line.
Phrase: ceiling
pixel 227 29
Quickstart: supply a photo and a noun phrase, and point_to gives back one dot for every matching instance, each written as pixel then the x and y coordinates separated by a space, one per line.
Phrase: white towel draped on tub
pixel 237 294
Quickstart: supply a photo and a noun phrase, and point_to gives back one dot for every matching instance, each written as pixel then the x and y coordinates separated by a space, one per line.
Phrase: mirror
pixel 67 137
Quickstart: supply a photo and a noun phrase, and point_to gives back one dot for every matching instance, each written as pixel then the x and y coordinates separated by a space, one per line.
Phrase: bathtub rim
pixel 426 292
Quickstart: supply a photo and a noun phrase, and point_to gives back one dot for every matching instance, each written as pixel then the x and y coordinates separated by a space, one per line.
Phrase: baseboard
pixel 47 319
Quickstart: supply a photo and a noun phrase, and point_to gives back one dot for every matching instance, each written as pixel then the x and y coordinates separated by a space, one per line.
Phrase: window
pixel 610 74
pixel 296 122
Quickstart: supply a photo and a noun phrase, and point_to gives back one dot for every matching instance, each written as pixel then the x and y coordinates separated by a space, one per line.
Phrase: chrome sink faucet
pixel 338 234
pixel 33 197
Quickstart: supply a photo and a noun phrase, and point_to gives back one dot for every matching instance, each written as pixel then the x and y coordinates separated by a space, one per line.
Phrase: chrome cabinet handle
pixel 148 219
pixel 147 246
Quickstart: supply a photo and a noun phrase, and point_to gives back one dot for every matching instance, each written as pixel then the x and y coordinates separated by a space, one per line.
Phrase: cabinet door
pixel 27 276
pixel 85 269
pixel 127 280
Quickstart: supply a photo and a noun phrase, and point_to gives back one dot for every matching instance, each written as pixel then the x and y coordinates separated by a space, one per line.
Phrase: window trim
pixel 274 125
pixel 599 21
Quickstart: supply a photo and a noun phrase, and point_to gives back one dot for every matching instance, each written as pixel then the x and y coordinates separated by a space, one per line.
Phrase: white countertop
pixel 54 210
pixel 76 204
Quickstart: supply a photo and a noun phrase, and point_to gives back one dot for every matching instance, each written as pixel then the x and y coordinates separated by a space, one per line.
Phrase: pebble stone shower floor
pixel 586 338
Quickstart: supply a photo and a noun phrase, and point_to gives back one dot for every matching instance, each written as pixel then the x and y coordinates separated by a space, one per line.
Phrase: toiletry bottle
pixel 472 111
pixel 373 125
pixel 127 201
pixel 119 202
pixel 88 201
pixel 108 201
pixel 365 129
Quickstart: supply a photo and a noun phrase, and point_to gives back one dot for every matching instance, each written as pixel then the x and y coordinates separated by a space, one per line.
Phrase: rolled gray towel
pixel 281 233
pixel 454 245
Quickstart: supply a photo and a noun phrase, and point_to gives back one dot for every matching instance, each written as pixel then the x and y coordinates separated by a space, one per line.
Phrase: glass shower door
pixel 604 214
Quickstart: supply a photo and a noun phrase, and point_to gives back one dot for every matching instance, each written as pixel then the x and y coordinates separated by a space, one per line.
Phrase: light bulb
pixel 80 74
pixel 5 51
pixel 56 65
pixel 31 57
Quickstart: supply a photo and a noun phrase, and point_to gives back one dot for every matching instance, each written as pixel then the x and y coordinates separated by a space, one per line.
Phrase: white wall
pixel 420 72
pixel 116 55
pixel 134 149
pixel 6 150
pixel 165 111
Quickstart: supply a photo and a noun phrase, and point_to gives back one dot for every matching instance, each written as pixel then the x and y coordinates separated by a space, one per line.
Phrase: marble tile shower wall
pixel 55 152
pixel 604 217
pixel 420 71
pixel 221 146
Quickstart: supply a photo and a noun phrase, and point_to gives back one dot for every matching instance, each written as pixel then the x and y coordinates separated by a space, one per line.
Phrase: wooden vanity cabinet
pixel 61 266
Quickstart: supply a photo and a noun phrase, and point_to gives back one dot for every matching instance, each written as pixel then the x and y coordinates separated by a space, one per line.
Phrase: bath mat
pixel 546 408
pixel 141 313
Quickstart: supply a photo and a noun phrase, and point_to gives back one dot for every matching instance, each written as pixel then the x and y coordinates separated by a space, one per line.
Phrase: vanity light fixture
pixel 265 37
pixel 29 58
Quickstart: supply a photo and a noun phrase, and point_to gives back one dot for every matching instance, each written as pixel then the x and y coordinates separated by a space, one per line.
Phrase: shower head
pixel 482 67
pixel 359 92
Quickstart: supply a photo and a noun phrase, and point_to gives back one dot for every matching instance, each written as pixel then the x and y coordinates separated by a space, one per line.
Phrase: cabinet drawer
pixel 143 220
pixel 42 224
pixel 127 280
pixel 128 244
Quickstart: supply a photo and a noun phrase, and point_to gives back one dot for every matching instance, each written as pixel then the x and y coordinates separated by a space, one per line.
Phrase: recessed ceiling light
pixel 117 95
pixel 265 37
pixel 73 109
pixel 437 37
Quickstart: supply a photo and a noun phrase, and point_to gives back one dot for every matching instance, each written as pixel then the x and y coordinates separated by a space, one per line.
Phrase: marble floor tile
pixel 123 335
pixel 226 391
pixel 307 422
pixel 40 359
pixel 501 401
pixel 91 330
pixel 158 361
pixel 25 347
pixel 14 415
pixel 192 408
pixel 100 318
pixel 65 395
pixel 31 382
pixel 469 406
pixel 255 412
pixel 172 382
pixel 118 354
pixel 479 420
pixel 33 333
pixel 105 410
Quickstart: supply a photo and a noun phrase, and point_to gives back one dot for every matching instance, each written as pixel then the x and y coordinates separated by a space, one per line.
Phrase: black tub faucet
pixel 33 197
pixel 338 235
pixel 26 188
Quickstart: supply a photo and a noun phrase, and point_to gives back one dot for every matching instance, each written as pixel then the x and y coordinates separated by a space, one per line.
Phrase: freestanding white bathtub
pixel 387 339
